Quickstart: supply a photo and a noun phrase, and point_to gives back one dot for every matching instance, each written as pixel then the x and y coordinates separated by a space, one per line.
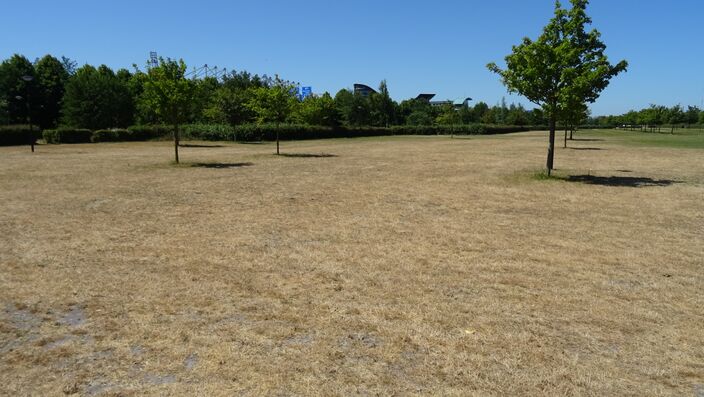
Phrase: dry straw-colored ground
pixel 394 266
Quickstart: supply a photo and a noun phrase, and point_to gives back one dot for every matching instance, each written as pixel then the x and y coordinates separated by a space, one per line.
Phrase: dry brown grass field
pixel 383 266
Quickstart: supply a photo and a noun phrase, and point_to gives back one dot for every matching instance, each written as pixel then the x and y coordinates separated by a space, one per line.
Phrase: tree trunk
pixel 176 140
pixel 31 136
pixel 277 140
pixel 551 145
pixel 565 146
pixel 571 131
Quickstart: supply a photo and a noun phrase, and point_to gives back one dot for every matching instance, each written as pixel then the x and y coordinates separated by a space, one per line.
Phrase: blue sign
pixel 305 92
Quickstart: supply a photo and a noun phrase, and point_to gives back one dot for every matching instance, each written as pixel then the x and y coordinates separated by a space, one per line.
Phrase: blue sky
pixel 417 46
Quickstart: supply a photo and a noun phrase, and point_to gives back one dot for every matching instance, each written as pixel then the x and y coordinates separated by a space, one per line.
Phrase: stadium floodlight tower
pixel 153 59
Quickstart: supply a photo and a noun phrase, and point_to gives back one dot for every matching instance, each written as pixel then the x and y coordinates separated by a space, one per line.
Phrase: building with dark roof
pixel 363 90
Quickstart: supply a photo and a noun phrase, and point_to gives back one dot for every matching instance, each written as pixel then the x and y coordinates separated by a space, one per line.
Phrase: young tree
pixel 692 114
pixel 273 104
pixel 318 111
pixel 169 94
pixel 565 63
pixel 573 114
pixel 448 116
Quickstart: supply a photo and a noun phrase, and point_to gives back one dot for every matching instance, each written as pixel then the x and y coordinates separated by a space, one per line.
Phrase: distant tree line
pixel 654 115
pixel 62 94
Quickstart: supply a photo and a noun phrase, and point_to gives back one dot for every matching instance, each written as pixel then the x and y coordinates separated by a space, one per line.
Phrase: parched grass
pixel 392 266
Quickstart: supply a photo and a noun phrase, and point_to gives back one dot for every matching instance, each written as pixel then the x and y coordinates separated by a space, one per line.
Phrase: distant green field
pixel 692 139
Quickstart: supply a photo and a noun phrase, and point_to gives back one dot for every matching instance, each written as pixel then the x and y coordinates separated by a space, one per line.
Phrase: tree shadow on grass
pixel 620 181
pixel 587 139
pixel 221 165
pixel 308 155
pixel 197 145
pixel 585 148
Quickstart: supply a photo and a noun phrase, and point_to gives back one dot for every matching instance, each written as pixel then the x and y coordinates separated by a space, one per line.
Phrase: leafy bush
pixel 67 135
pixel 111 135
pixel 11 135
pixel 147 132
pixel 267 132
pixel 208 132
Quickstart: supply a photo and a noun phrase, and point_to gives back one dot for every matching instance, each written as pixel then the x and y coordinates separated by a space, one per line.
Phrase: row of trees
pixel 654 115
pixel 62 94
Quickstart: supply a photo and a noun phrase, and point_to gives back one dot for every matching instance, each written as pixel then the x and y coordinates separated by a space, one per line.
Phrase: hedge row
pixel 134 133
pixel 19 134
pixel 79 135
pixel 265 132
pixel 268 132
pixel 11 135
pixel 67 135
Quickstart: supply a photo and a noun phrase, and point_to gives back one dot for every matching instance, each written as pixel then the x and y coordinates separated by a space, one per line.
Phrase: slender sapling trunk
pixel 176 143
pixel 551 145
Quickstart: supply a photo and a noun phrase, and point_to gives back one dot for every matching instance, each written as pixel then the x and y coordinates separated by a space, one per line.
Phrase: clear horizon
pixel 416 46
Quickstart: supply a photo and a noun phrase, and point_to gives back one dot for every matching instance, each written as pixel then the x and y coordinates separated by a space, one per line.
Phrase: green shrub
pixel 111 135
pixel 67 135
pixel 147 132
pixel 268 132
pixel 11 135
pixel 208 132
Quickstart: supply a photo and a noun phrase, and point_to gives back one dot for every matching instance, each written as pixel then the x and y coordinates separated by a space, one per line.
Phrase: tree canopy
pixel 169 94
pixel 564 68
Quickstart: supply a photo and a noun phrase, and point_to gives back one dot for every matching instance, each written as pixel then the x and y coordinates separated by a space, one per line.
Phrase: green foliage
pixel 654 115
pixel 258 132
pixel 67 135
pixel 12 135
pixel 110 135
pixel 230 105
pixel 209 132
pixel 204 91
pixel 316 110
pixel 448 116
pixel 562 70
pixel 382 107
pixel 51 80
pixel 273 104
pixel 565 65
pixel 167 92
pixel 147 132
pixel 97 99
pixel 419 118
pixel 14 90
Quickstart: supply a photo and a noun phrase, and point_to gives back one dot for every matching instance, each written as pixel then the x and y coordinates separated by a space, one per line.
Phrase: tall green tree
pixel 566 63
pixel 169 94
pixel 97 98
pixel 51 81
pixel 15 91
pixel 382 106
